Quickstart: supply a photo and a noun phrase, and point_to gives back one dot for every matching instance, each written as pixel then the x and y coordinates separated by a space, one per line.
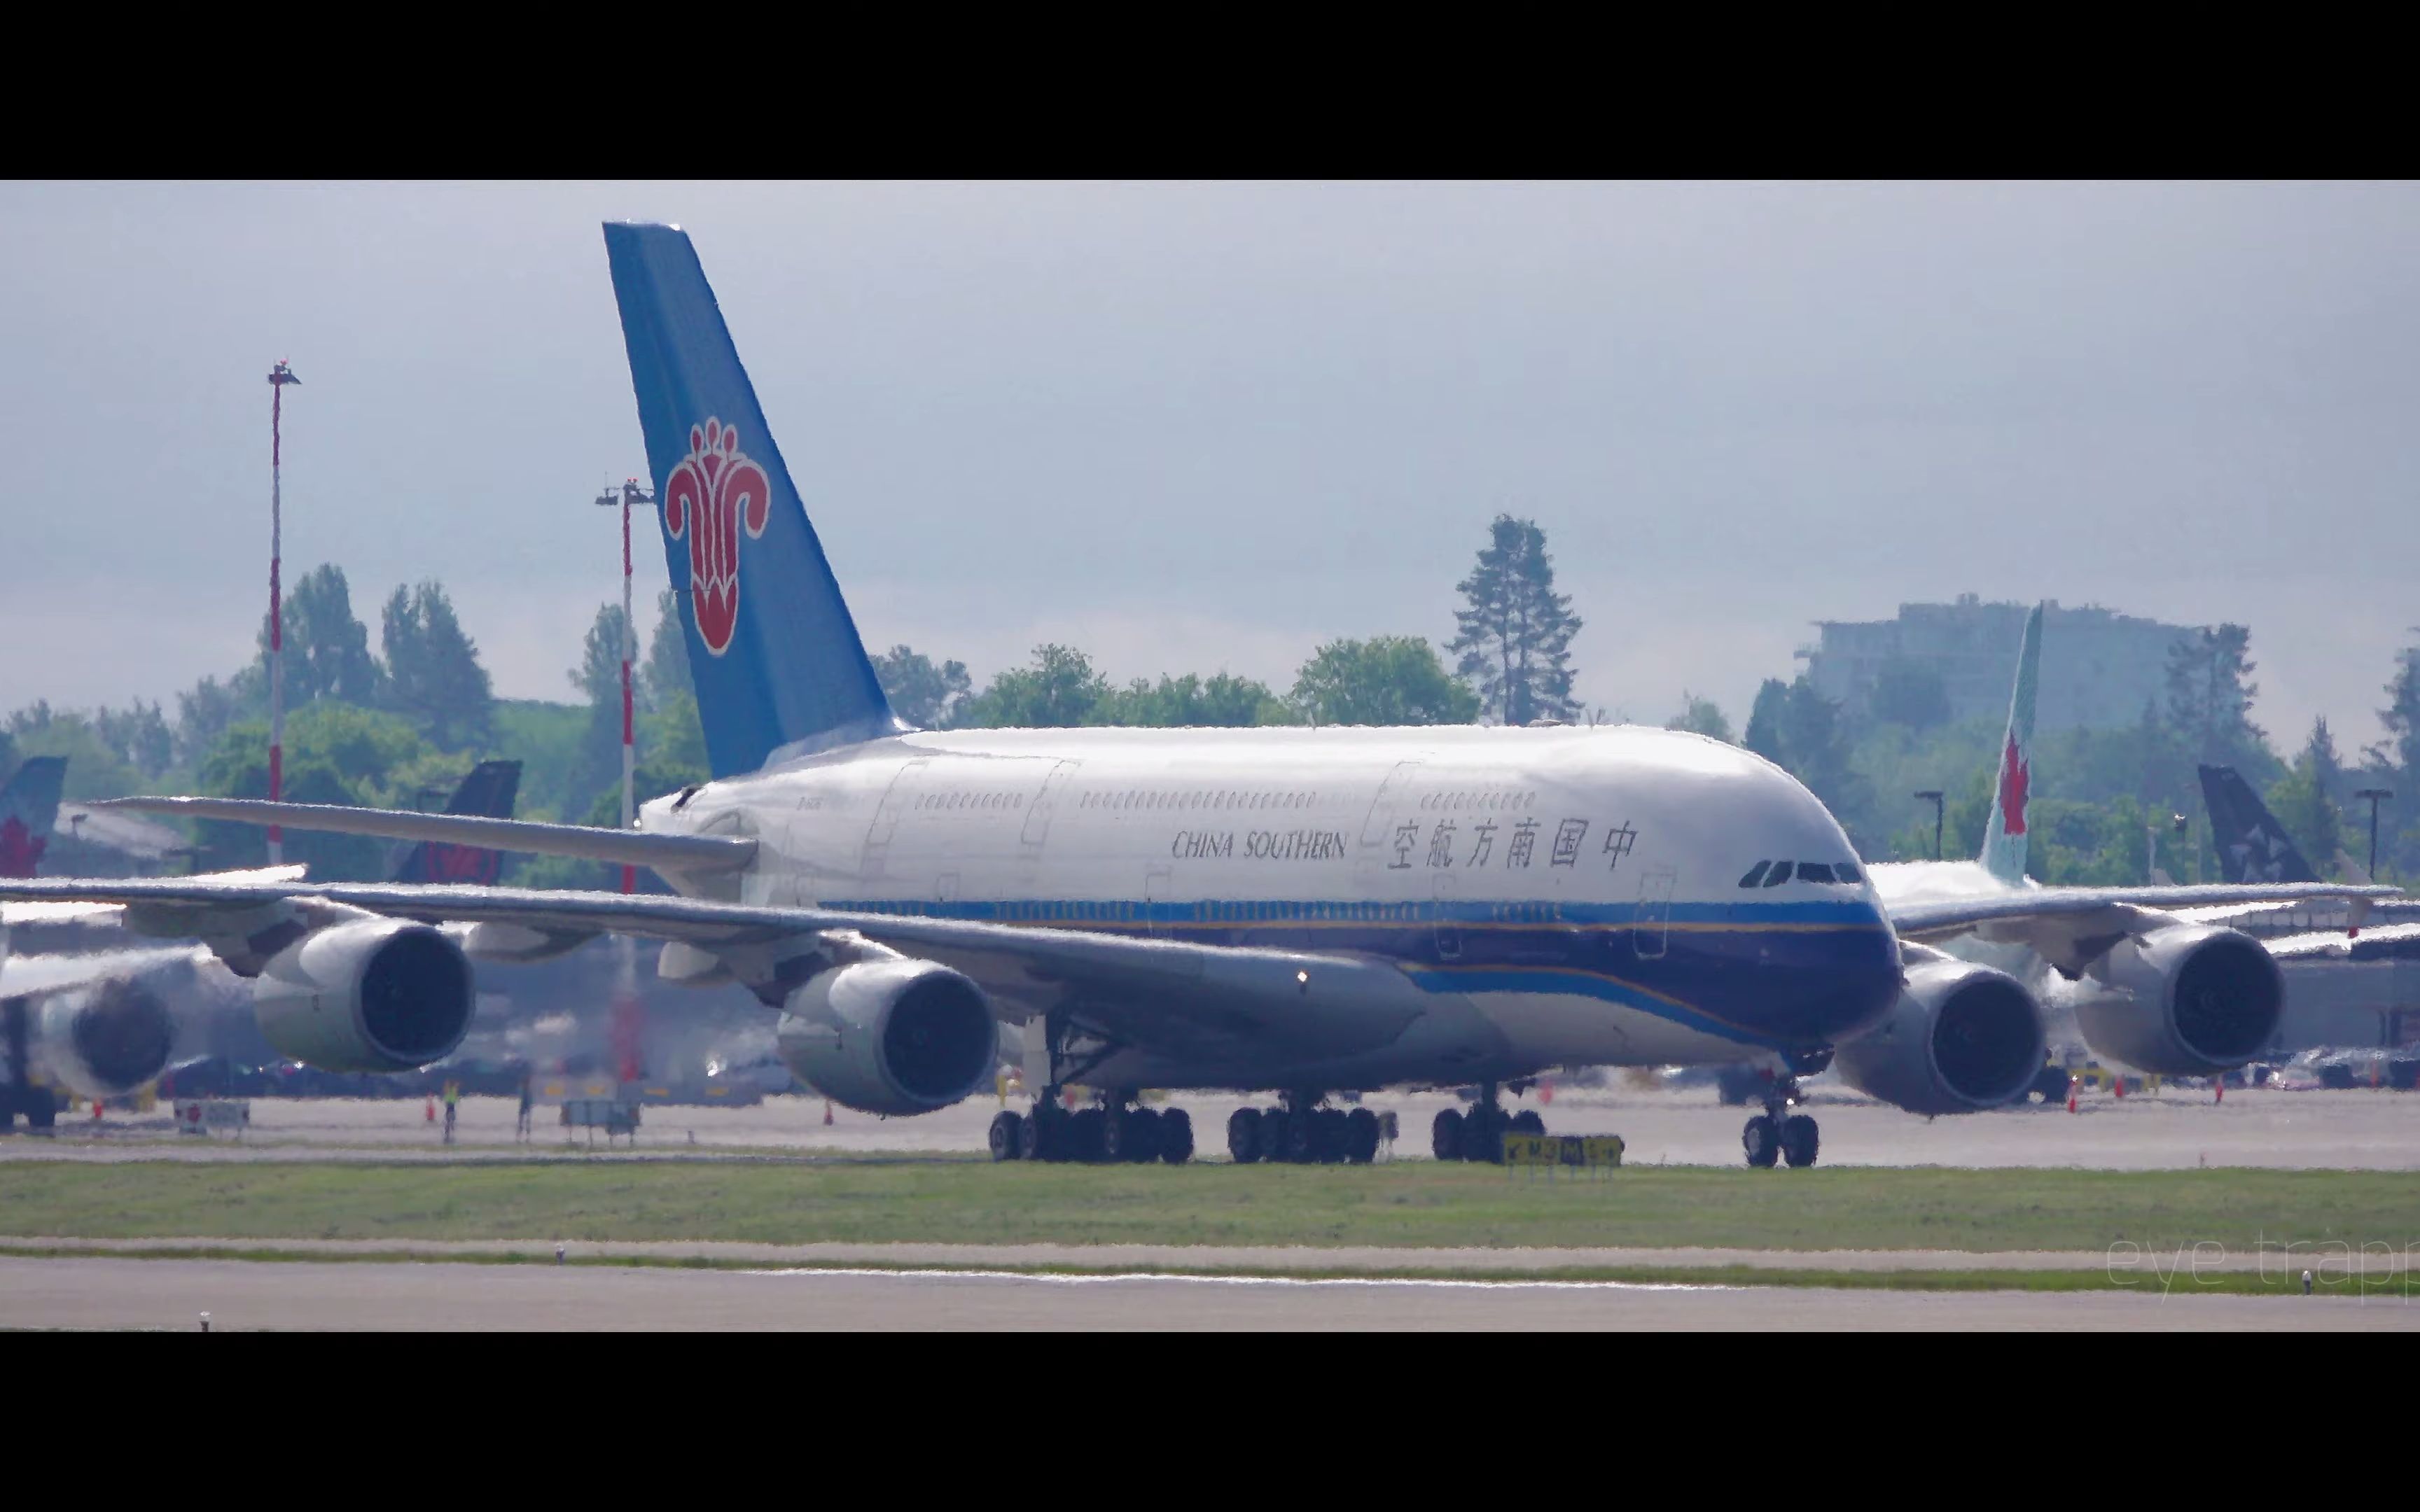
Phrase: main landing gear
pixel 1112 1131
pixel 1301 1131
pixel 1778 1134
pixel 1478 1134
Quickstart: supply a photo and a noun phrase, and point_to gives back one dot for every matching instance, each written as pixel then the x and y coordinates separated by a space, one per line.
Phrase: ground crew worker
pixel 524 1126
pixel 453 1094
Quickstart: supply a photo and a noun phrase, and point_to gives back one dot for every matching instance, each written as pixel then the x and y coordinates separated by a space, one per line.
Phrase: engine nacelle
pixel 108 1039
pixel 2188 1000
pixel 1962 1038
pixel 891 1037
pixel 380 994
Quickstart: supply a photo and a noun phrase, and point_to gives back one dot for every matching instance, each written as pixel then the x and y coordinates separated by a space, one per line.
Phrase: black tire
pixel 1302 1136
pixel 43 1114
pixel 1084 1131
pixel 1142 1144
pixel 1037 1137
pixel 1361 1137
pixel 1273 1135
pixel 1244 1135
pixel 1482 1136
pixel 1175 1136
pixel 1529 1121
pixel 1761 1142
pixel 1007 1136
pixel 2051 1084
pixel 1445 1135
pixel 1798 1141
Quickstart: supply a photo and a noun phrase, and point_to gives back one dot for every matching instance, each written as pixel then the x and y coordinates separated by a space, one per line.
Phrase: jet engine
pixel 2188 1000
pixel 890 1037
pixel 379 995
pixel 106 1039
pixel 1962 1038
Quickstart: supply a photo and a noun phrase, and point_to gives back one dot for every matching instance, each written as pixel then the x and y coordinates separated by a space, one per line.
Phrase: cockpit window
pixel 1847 872
pixel 1814 871
pixel 1755 874
pixel 1780 874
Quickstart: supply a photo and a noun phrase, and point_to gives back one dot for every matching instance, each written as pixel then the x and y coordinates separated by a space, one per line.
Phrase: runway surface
pixel 2176 1129
pixel 96 1293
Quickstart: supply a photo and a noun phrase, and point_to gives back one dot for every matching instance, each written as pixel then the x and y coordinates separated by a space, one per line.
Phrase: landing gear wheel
pixel 1529 1121
pixel 1361 1137
pixel 1445 1135
pixel 1175 1136
pixel 1244 1135
pixel 1037 1136
pixel 1007 1136
pixel 1797 1141
pixel 1329 1135
pixel 1302 1136
pixel 1084 1132
pixel 1483 1137
pixel 1762 1139
pixel 1142 1143
pixel 1126 1134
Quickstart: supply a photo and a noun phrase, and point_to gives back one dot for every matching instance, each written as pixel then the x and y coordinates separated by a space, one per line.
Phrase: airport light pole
pixel 279 376
pixel 2375 796
pixel 1933 796
pixel 625 1030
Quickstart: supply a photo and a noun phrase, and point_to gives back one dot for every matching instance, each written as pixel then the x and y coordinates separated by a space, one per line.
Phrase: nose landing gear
pixel 1778 1135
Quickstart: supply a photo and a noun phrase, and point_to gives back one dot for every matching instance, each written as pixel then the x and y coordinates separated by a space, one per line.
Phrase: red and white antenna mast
pixel 279 376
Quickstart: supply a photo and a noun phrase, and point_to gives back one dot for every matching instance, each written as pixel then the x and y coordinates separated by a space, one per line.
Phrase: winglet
pixel 2004 841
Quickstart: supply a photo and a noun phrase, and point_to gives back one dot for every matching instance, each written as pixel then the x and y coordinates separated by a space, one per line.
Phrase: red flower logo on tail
pixel 2015 777
pixel 715 493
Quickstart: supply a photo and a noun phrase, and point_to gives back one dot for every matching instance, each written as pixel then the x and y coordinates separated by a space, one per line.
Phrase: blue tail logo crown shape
pixel 716 492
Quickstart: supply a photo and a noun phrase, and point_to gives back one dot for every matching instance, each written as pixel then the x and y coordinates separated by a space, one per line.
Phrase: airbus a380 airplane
pixel 1298 911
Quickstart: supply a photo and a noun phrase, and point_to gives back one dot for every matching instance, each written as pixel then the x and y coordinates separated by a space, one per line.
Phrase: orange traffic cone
pixel 2222 1091
pixel 96 1107
pixel 2071 1094
pixel 428 1113
pixel 2118 1087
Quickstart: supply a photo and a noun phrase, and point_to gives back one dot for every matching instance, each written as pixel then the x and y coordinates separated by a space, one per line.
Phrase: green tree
pixel 670 731
pixel 208 709
pixel 1910 693
pixel 1177 703
pixel 433 674
pixel 137 736
pixel 2305 800
pixel 2401 751
pixel 335 753
pixel 926 696
pixel 95 768
pixel 1700 716
pixel 598 679
pixel 1516 630
pixel 666 670
pixel 2209 698
pixel 1387 680
pixel 1765 716
pixel 1060 690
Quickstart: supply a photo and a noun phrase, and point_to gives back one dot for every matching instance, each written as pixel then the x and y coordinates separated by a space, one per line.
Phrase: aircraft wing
pixel 1162 994
pixel 2060 915
pixel 626 847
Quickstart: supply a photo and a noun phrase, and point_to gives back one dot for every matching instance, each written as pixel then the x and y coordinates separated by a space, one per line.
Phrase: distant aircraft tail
pixel 2004 841
pixel 2252 845
pixel 29 806
pixel 775 655
pixel 487 793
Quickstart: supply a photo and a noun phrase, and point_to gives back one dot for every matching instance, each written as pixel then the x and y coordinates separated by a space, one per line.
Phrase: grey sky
pixel 1189 426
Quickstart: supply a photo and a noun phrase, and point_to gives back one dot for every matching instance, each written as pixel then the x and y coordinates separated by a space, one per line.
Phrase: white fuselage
pixel 1581 888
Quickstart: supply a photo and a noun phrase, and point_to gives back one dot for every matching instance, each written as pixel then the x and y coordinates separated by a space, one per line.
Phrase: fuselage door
pixel 1654 913
pixel 1378 827
pixel 897 799
pixel 1449 927
pixel 1037 813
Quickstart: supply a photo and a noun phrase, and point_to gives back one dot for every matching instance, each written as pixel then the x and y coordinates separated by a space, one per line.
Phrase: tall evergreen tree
pixel 598 678
pixel 2305 800
pixel 665 675
pixel 2209 698
pixel 1515 633
pixel 2401 751
pixel 433 674
pixel 1764 734
pixel 926 696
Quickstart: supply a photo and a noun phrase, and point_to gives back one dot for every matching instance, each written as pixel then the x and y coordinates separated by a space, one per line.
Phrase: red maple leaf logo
pixel 2014 778
pixel 19 850
pixel 715 493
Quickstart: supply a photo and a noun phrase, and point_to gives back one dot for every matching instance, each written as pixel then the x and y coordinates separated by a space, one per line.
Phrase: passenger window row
pixel 970 800
pixel 1211 799
pixel 1774 874
pixel 1497 799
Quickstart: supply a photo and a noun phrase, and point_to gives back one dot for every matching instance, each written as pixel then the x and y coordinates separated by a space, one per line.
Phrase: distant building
pixel 2098 667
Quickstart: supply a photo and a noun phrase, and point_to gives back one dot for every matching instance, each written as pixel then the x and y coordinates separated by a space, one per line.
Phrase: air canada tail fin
pixel 2252 845
pixel 29 806
pixel 2003 841
pixel 488 793
pixel 772 650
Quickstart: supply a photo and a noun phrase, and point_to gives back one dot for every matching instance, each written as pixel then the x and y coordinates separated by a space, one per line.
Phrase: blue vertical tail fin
pixel 2004 841
pixel 29 806
pixel 488 791
pixel 774 654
